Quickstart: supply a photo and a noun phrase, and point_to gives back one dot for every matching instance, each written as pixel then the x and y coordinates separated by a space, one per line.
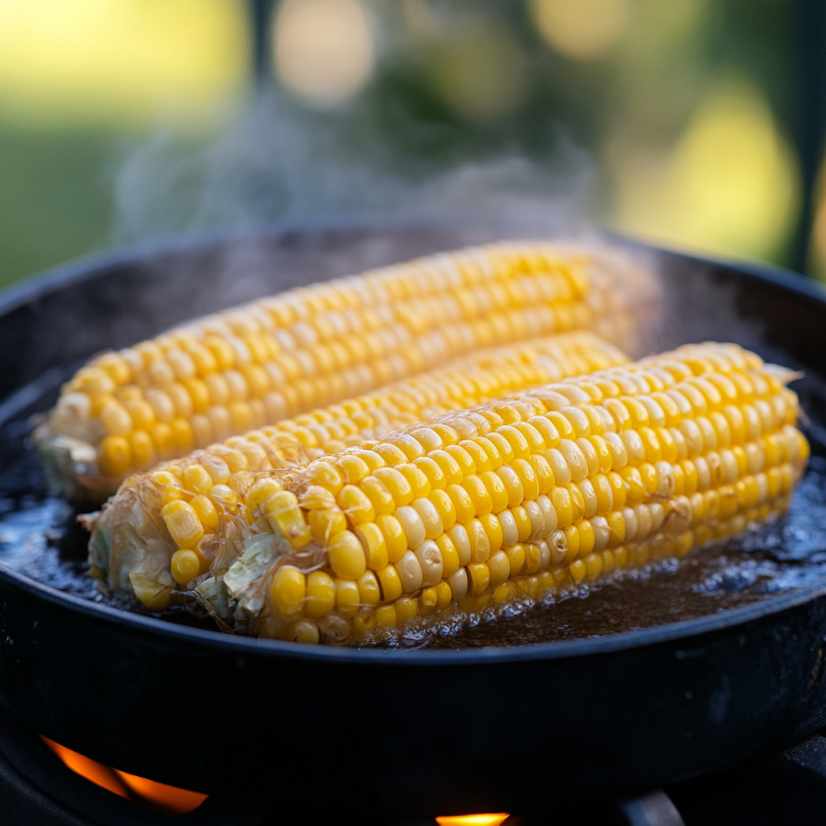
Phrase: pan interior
pixel 39 537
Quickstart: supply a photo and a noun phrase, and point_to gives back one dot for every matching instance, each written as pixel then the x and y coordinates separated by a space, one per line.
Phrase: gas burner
pixel 45 784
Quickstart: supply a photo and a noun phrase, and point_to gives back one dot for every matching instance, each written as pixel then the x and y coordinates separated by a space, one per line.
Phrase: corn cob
pixel 137 537
pixel 226 374
pixel 514 500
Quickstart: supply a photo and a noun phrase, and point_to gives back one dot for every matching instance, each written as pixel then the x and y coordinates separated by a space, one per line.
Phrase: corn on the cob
pixel 166 517
pixel 514 499
pixel 278 357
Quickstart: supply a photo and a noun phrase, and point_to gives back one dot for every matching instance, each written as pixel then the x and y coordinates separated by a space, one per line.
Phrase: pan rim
pixel 219 641
pixel 89 266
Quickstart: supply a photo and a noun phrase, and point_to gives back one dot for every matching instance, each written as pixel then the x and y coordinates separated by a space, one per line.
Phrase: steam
pixel 277 164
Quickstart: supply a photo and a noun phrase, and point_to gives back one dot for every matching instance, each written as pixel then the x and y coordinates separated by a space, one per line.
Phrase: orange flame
pixel 492 819
pixel 130 786
pixel 171 798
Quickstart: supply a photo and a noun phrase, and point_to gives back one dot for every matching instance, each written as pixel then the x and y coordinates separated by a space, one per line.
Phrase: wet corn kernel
pixel 394 537
pixel 197 479
pixel 183 524
pixel 494 532
pixel 320 594
pixel 167 486
pixel 396 485
pixel 523 523
pixel 206 513
pixel 115 419
pixel 577 571
pixel 352 469
pixel 410 572
pixel 347 597
pixel 284 515
pixel 184 566
pixel 347 557
pixel 450 555
pixel 417 480
pixel 386 616
pixel 288 590
pixel 369 589
pixel 444 508
pixel 462 503
pixel 499 568
pixel 429 516
pixel 356 505
pixel 316 497
pixel 260 492
pixel 380 497
pixel 478 541
pixel 115 456
pixel 430 560
pixel 325 474
pixel 390 582
pixel 325 524
pixel 429 600
pixel 306 632
pixel 432 471
pixel 372 539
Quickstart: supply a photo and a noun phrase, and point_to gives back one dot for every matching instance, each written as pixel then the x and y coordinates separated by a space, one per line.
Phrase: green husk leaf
pixel 236 598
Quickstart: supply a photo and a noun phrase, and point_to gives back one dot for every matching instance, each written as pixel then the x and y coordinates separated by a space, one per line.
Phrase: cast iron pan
pixel 386 731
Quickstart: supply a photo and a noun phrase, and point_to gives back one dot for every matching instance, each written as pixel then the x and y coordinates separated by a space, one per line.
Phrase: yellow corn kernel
pixel 115 456
pixel 372 539
pixel 321 594
pixel 305 631
pixel 577 571
pixel 429 600
pixel 347 597
pixel 444 507
pixel 430 517
pixel 380 498
pixel 184 566
pixel 260 492
pixel 480 579
pixel 326 475
pixel 196 479
pixel 410 572
pixel 325 524
pixel 478 493
pixel 412 525
pixel 499 568
pixel 396 484
pixel 406 610
pixel 369 589
pixel 394 537
pixel 115 419
pixel 386 617
pixel 206 512
pixel 288 590
pixel 284 515
pixel 391 583
pixel 183 524
pixel 352 469
pixel 347 557
pixel 356 505
pixel 450 556
pixel 429 556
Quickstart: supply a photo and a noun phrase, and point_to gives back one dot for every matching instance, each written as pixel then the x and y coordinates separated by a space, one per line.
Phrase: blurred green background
pixel 695 122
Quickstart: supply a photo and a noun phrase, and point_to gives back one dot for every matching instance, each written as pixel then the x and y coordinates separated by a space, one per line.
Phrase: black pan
pixel 416 731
